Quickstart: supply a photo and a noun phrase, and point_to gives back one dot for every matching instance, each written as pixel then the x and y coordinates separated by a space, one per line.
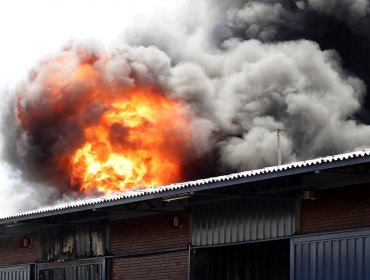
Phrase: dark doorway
pixel 254 261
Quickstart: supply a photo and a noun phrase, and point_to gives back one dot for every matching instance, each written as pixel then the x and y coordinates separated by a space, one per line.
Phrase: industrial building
pixel 306 220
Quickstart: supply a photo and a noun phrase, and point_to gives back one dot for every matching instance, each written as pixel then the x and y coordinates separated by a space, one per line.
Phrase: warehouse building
pixel 300 221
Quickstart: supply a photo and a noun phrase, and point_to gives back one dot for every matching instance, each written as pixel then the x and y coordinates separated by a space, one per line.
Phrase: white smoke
pixel 240 90
pixel 242 93
pixel 263 20
pixel 18 195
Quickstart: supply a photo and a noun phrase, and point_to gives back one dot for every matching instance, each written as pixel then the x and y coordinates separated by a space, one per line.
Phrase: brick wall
pixel 12 254
pixel 147 235
pixel 171 266
pixel 337 209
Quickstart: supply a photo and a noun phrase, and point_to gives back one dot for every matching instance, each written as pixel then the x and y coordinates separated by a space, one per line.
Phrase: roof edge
pixel 271 172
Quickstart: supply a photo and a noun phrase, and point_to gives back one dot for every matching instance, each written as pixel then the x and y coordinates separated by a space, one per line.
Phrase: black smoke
pixel 244 69
pixel 341 25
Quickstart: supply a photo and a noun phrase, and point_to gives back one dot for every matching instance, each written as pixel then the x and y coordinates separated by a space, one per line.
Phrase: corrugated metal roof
pixel 327 162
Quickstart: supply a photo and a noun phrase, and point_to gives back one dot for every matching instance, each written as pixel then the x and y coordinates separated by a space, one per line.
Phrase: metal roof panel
pixel 196 185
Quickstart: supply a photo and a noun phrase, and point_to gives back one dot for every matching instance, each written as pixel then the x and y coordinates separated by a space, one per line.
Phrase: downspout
pixel 189 258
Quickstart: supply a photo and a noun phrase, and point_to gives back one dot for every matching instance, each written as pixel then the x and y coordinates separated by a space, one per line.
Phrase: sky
pixel 33 30
pixel 242 68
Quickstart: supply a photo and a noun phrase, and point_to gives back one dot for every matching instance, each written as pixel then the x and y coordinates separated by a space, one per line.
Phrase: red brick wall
pixel 171 266
pixel 337 209
pixel 145 234
pixel 12 254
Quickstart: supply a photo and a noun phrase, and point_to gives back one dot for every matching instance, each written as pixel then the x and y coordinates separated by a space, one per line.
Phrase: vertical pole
pixel 189 259
pixel 278 147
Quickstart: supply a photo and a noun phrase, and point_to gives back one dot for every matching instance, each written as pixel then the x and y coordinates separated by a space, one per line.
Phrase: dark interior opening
pixel 267 260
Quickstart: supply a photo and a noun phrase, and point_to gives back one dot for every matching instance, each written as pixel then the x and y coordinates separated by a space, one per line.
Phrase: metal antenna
pixel 278 131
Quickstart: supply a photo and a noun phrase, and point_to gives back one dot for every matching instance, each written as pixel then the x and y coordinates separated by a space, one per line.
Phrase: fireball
pixel 133 145
pixel 104 135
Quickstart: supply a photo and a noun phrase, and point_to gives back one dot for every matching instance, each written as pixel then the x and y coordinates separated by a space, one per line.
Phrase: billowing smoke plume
pixel 252 67
pixel 242 70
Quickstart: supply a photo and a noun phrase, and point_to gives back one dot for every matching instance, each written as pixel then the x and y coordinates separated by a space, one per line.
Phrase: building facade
pixel 300 221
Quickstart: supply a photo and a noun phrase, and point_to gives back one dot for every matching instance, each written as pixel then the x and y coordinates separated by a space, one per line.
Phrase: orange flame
pixel 136 138
pixel 132 146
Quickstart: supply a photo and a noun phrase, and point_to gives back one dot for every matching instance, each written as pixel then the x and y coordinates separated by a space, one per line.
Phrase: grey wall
pixel 243 219
pixel 335 256
pixel 15 273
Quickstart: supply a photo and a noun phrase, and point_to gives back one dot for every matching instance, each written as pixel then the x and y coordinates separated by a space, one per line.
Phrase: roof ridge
pixel 193 183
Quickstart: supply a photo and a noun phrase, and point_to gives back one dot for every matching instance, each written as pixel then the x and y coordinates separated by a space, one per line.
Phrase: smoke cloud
pixel 242 69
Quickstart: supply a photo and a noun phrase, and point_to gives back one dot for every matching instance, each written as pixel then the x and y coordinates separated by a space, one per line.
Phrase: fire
pixel 128 147
pixel 104 135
